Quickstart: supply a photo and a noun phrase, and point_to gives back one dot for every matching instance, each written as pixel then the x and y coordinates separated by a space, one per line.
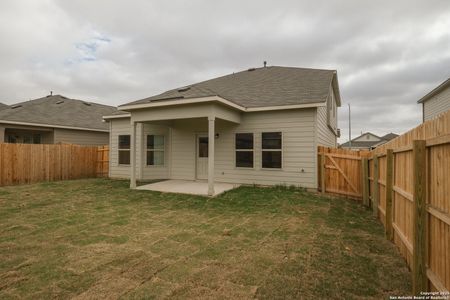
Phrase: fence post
pixel 375 195
pixel 420 281
pixel 389 192
pixel 322 172
pixel 365 181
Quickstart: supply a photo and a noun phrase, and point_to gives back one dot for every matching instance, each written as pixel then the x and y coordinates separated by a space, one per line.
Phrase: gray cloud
pixel 388 53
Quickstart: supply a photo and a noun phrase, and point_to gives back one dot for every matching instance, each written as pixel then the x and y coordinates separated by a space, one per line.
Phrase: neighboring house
pixel 368 141
pixel 436 102
pixel 259 126
pixel 55 119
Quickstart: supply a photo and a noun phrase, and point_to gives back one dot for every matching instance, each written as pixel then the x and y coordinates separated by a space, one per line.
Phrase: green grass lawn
pixel 98 239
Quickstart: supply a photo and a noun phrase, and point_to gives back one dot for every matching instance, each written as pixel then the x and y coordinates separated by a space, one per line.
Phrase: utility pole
pixel 349 127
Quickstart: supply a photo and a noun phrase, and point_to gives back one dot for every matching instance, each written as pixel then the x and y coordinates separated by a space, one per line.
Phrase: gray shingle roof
pixel 59 111
pixel 389 136
pixel 369 144
pixel 362 144
pixel 267 86
pixel 3 106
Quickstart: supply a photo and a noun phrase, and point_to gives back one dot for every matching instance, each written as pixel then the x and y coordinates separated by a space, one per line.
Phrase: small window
pixel 11 139
pixel 155 150
pixel 271 150
pixel 244 150
pixel 203 147
pixel 27 139
pixel 124 149
pixel 36 139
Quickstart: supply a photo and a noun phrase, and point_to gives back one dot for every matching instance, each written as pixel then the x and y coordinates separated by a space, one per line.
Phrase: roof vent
pixel 16 106
pixel 184 89
pixel 87 103
pixel 60 102
pixel 251 69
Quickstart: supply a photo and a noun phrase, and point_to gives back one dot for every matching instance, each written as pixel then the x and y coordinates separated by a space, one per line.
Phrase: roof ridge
pixel 65 98
pixel 243 71
pixel 301 68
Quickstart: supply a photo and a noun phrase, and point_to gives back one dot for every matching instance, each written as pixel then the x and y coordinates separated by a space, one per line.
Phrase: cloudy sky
pixel 387 53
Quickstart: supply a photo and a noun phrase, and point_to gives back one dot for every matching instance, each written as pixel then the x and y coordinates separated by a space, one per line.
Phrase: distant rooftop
pixel 369 144
pixel 58 110
pixel 3 106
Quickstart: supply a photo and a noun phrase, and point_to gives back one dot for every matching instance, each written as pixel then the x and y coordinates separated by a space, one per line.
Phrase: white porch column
pixel 133 155
pixel 211 138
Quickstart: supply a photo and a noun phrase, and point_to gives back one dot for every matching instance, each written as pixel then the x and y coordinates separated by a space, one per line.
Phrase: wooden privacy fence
pixel 408 187
pixel 340 171
pixel 28 163
pixel 103 161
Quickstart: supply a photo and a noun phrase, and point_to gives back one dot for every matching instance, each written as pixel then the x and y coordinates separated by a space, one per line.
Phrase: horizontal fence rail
pixel 406 182
pixel 30 163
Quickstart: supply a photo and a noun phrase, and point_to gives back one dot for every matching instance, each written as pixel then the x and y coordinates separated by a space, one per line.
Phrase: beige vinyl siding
pixel 123 127
pixel 297 127
pixel 298 148
pixel 80 137
pixel 184 133
pixel 325 136
pixel 436 105
pixel 298 139
pixel 119 127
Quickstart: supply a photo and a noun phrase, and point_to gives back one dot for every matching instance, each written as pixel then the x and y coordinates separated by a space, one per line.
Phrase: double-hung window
pixel 124 149
pixel 271 150
pixel 155 150
pixel 244 150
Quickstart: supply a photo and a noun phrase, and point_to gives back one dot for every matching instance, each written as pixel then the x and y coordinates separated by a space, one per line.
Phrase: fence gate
pixel 340 171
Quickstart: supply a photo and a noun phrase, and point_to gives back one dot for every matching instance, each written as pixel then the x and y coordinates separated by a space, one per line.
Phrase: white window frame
pixel 122 149
pixel 163 150
pixel 273 150
pixel 244 150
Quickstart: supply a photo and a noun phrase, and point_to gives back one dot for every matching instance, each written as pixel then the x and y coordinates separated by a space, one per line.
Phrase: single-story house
pixel 368 141
pixel 55 119
pixel 436 102
pixel 258 126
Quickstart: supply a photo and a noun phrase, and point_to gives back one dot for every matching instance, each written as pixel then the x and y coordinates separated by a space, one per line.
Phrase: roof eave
pixel 130 107
pixel 337 92
pixel 123 116
pixel 435 91
pixel 213 99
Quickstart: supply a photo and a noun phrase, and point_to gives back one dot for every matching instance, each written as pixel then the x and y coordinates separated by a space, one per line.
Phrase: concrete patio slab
pixel 187 187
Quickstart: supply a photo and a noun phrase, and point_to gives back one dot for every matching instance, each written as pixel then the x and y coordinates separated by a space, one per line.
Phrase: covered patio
pixel 205 110
pixel 187 187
